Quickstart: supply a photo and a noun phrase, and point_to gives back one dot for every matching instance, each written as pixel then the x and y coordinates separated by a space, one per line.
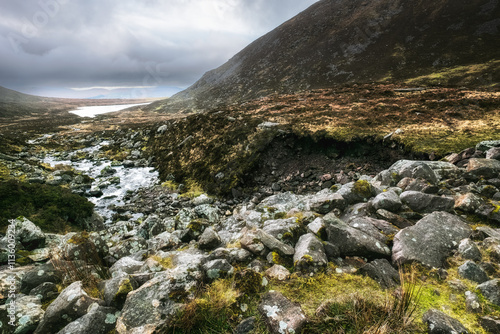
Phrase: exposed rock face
pixel 348 41
pixel 426 203
pixel 431 240
pixel 281 315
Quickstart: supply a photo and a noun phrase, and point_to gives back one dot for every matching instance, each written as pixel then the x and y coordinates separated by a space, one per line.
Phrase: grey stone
pixel 309 253
pixel 278 272
pixel 217 269
pixel 274 244
pixel 28 235
pixel 116 289
pixel 483 168
pixel 493 153
pixel 355 192
pixel 98 320
pixel 431 240
pixel 490 324
pixel 427 203
pixel 471 271
pixel 325 201
pixel 70 305
pixel 246 326
pixel 365 225
pixel 282 229
pixel 382 272
pixel 388 200
pixel 440 323
pixel 469 250
pixel 128 247
pixel 393 218
pixel 45 291
pixel 413 169
pixel 209 239
pixel 164 241
pixel 472 302
pixel 280 314
pixel 283 202
pixel 487 144
pixel 353 242
pixel 38 275
pixel 28 315
pixel 126 265
pixel 491 291
pixel 468 202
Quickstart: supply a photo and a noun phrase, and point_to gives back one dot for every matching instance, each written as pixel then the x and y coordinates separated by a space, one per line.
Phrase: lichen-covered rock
pixel 325 201
pixel 28 315
pixel 490 324
pixel 152 306
pixel 208 212
pixel 440 323
pixel 431 240
pixel 382 272
pixel 126 265
pixel 116 289
pixel 487 144
pixel 250 242
pixel 278 272
pixel 98 320
pixel 232 255
pixel 491 291
pixel 388 200
pixel 45 291
pixel 38 275
pixel 353 242
pixel 163 241
pixel 468 202
pixel 209 239
pixel 309 253
pixel 128 247
pixel 471 271
pixel 367 225
pixel 281 315
pixel 413 169
pixel 426 203
pixel 282 229
pixel 70 305
pixel 393 218
pixel 472 302
pixel 28 235
pixel 217 269
pixel 468 250
pixel 493 153
pixel 483 168
pixel 355 192
pixel 283 202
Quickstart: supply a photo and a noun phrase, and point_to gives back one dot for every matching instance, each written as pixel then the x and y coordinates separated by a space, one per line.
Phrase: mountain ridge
pixel 343 42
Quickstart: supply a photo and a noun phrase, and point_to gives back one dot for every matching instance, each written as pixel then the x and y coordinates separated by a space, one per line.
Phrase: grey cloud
pixel 129 42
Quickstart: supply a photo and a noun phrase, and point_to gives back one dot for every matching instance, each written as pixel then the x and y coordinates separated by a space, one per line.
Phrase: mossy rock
pixel 248 281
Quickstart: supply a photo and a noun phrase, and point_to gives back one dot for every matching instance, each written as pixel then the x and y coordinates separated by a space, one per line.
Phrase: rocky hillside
pixel 445 42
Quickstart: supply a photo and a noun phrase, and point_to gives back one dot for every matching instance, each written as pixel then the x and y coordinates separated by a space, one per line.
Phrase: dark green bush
pixel 52 208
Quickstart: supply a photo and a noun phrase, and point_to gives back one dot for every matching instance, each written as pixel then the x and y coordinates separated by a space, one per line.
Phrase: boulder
pixel 278 272
pixel 217 269
pixel 163 241
pixel 116 289
pixel 281 315
pixel 382 272
pixel 283 202
pixel 468 202
pixel 325 201
pixel 126 265
pixel 491 291
pixel 45 291
pixel 431 240
pixel 128 247
pixel 28 314
pixel 483 168
pixel 440 323
pixel 355 192
pixel 493 153
pixel 209 239
pixel 28 235
pixel 393 218
pixel 284 230
pixel 317 226
pixel 309 253
pixel 388 200
pixel 426 203
pixel 471 271
pixel 487 144
pixel 98 320
pixel 413 169
pixel 490 324
pixel 353 242
pixel 38 275
pixel 71 304
pixel 208 212
pixel 246 326
pixel 468 250
pixel 366 225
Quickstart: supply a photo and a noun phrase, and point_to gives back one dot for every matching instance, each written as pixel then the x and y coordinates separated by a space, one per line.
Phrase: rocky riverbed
pixel 168 258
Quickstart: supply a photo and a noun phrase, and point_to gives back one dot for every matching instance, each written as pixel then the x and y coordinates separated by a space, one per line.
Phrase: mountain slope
pixel 448 42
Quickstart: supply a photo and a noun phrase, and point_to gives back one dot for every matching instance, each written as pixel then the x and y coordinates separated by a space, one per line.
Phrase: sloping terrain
pixel 445 42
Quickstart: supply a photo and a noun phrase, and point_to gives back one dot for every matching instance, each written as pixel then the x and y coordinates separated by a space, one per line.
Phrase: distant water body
pixel 92 111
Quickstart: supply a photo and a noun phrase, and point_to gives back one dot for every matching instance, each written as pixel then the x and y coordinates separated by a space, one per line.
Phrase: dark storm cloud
pixel 128 42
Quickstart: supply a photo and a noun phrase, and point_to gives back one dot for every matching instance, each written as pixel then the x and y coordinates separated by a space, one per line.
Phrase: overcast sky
pixel 127 43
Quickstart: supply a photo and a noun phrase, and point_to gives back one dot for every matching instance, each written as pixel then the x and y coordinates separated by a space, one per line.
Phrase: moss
pixel 248 282
pixel 363 188
pixel 165 262
pixel 79 238
pixel 123 291
pixel 47 303
pixel 280 215
pixel 170 185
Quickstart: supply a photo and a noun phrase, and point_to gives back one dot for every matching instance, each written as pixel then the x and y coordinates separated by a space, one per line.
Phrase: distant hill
pixel 440 42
